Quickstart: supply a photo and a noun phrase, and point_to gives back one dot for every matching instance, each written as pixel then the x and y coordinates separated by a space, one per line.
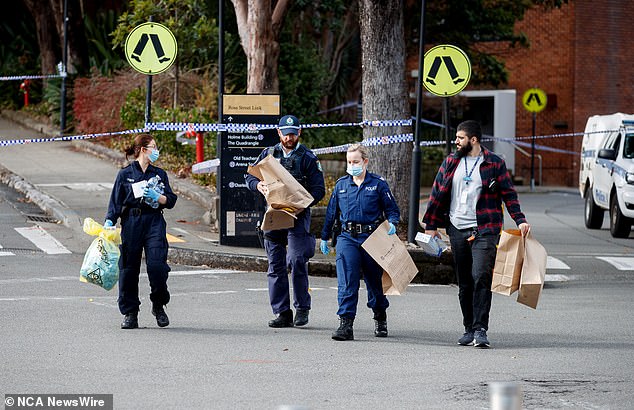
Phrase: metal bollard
pixel 505 396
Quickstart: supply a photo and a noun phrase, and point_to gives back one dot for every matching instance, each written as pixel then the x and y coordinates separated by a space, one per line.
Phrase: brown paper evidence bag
pixel 520 264
pixel 286 197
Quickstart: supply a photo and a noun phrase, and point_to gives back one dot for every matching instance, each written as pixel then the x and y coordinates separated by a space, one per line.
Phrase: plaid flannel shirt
pixel 489 207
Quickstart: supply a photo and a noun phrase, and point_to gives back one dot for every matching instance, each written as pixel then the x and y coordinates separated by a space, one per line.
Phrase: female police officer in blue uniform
pixel 361 201
pixel 142 227
pixel 303 165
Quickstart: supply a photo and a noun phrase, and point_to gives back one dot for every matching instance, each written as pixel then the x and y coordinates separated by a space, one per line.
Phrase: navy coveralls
pixel 303 165
pixel 367 206
pixel 142 227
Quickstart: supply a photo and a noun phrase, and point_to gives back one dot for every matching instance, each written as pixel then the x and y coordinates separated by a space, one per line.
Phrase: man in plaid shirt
pixel 469 205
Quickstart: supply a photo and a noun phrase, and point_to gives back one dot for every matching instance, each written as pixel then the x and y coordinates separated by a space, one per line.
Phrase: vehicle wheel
pixel 620 225
pixel 593 214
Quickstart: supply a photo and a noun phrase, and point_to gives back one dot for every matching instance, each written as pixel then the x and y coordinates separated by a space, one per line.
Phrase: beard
pixel 290 144
pixel 464 150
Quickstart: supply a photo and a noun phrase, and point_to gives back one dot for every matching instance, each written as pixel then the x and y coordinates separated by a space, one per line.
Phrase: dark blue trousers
pixel 301 247
pixel 145 232
pixel 474 263
pixel 351 260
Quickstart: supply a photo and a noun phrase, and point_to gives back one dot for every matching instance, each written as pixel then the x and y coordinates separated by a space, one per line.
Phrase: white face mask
pixel 354 170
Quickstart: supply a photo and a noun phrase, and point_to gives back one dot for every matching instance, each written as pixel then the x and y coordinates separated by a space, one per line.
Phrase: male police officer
pixel 303 165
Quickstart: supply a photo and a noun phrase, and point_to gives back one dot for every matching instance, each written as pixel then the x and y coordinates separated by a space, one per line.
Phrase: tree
pixel 385 94
pixel 259 23
pixel 47 38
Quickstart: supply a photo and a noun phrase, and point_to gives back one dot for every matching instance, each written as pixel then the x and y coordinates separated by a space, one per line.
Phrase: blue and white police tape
pixel 31 77
pixel 7 143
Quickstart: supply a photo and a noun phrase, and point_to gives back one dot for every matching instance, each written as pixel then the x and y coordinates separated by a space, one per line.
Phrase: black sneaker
pixel 467 338
pixel 284 319
pixel 480 339
pixel 301 317
pixel 161 317
pixel 130 321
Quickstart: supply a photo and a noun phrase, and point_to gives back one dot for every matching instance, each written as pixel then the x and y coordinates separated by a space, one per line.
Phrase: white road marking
pixel 554 263
pixel 620 263
pixel 83 186
pixel 43 240
pixel 2 253
pixel 556 278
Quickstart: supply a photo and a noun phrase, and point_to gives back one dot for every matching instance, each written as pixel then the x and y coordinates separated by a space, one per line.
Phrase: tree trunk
pixel 47 38
pixel 385 93
pixel 77 43
pixel 259 23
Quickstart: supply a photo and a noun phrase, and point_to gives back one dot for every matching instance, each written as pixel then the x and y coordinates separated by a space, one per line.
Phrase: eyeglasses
pixel 152 147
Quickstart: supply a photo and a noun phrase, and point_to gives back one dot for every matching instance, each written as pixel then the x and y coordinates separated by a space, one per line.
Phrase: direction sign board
pixel 240 208
pixel 151 48
pixel 534 100
pixel 447 70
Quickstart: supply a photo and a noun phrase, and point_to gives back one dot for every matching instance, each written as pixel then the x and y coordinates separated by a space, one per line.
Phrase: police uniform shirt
pixel 368 203
pixel 122 195
pixel 311 177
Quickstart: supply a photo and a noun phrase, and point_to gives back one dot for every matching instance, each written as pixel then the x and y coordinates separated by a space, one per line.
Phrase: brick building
pixel 582 56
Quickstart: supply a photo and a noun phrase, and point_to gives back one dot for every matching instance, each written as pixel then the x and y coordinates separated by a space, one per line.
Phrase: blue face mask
pixel 355 170
pixel 154 155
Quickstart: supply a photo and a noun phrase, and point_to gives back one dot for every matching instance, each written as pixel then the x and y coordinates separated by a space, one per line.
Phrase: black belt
pixel 356 228
pixel 140 211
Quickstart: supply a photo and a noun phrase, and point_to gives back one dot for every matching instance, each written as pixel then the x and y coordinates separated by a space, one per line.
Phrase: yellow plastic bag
pixel 101 262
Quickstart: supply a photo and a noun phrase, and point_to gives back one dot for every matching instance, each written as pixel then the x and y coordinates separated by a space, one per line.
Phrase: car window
pixel 617 144
pixel 628 146
pixel 609 142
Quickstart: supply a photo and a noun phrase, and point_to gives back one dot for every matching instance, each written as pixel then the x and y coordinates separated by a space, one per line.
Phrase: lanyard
pixel 467 178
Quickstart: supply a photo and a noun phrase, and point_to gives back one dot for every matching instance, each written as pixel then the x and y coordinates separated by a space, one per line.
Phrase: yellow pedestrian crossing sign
pixel 534 100
pixel 447 70
pixel 151 48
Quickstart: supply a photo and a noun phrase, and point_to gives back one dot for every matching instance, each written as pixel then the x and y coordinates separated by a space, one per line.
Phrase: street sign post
pixel 240 208
pixel 534 100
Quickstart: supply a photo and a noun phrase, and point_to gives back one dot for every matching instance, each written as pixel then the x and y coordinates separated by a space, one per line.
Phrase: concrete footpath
pixel 71 181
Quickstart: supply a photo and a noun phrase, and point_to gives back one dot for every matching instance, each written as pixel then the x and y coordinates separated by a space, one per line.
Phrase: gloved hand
pixel 151 193
pixel 392 229
pixel 323 246
pixel 108 224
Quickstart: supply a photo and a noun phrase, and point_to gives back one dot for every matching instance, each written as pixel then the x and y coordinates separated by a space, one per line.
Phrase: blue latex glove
pixel 151 193
pixel 108 224
pixel 392 229
pixel 323 246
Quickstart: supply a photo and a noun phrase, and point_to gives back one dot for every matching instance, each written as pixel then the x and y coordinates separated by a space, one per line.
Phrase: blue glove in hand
pixel 108 224
pixel 392 229
pixel 151 193
pixel 323 246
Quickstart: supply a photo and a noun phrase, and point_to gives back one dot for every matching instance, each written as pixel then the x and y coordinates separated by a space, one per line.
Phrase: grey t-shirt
pixel 465 193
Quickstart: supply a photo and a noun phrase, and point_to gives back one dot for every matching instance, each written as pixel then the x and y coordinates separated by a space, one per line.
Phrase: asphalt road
pixel 574 351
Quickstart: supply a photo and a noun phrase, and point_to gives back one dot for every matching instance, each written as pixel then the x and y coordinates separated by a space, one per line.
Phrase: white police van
pixel 606 172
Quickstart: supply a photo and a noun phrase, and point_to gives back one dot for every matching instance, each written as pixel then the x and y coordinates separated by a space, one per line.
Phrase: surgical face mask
pixel 354 170
pixel 154 155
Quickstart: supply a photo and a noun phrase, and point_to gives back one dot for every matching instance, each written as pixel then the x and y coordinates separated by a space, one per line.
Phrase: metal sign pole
pixel 62 103
pixel 414 197
pixel 533 155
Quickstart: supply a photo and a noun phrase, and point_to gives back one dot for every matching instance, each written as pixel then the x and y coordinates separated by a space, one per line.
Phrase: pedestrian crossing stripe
pixel 43 240
pixel 620 263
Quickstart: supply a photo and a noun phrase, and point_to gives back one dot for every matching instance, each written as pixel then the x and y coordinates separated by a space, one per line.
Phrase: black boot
pixel 284 319
pixel 380 323
pixel 130 321
pixel 301 317
pixel 161 317
pixel 344 332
